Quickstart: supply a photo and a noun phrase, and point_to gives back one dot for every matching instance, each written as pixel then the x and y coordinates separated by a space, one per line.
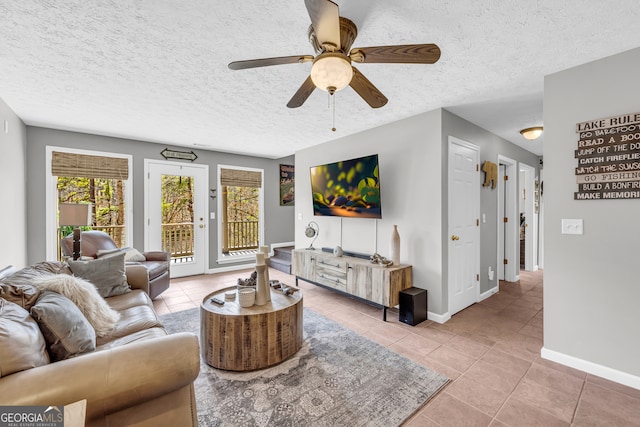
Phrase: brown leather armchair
pixel 155 269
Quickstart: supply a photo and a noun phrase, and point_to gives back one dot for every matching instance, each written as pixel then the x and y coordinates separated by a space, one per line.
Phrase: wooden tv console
pixel 354 276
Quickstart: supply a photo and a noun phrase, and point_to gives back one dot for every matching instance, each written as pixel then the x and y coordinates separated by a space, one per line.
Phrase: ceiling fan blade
pixel 302 94
pixel 265 62
pixel 400 54
pixel 325 19
pixel 367 90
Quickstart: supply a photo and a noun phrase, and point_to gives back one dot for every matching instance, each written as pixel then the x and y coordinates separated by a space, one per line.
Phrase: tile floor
pixel 490 351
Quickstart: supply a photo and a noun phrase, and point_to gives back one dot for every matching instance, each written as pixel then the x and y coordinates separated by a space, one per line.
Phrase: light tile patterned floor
pixel 491 351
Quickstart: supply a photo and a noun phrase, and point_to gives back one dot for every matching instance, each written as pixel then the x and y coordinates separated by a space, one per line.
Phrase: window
pixel 241 211
pixel 102 179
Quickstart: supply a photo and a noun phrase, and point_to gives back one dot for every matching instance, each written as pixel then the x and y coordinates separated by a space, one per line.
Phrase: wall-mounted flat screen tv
pixel 350 188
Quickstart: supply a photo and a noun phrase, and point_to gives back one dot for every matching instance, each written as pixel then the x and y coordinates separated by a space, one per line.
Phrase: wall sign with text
pixel 608 157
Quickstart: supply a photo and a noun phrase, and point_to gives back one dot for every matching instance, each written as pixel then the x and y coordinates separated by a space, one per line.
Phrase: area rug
pixel 338 378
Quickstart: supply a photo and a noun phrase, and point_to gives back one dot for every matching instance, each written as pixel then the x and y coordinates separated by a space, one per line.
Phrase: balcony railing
pixel 240 235
pixel 177 239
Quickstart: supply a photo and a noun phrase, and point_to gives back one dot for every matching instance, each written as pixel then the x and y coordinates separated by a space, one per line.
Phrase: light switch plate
pixel 572 226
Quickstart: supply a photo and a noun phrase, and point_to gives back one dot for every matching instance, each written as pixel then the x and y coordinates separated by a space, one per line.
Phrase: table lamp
pixel 75 215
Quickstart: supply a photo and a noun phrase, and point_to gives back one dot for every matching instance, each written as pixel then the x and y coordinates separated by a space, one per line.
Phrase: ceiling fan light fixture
pixel 532 133
pixel 331 71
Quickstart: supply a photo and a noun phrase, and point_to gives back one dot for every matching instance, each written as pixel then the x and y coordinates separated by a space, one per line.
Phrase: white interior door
pixel 464 222
pixel 176 214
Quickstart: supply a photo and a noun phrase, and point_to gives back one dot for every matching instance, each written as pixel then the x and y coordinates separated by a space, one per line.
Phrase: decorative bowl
pixel 246 296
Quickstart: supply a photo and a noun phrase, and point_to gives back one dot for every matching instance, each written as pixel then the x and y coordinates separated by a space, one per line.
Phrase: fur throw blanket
pixel 84 295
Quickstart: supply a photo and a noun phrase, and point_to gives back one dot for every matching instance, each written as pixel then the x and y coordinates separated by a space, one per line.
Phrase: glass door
pixel 176 219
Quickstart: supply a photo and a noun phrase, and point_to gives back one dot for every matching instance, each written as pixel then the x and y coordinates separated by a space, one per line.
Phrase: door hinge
pixel 505 219
pixel 506 177
pixel 477 277
pixel 477 222
pixel 505 261
pixel 148 221
pixel 148 175
pixel 477 167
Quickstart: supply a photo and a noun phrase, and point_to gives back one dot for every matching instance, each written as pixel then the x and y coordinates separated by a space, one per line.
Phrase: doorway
pixel 175 212
pixel 529 219
pixel 508 262
pixel 464 225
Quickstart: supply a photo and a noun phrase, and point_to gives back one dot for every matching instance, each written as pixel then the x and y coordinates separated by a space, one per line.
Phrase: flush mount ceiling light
pixel 331 71
pixel 532 133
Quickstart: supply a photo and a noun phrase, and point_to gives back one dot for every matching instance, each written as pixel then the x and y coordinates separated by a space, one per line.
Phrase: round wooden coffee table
pixel 235 338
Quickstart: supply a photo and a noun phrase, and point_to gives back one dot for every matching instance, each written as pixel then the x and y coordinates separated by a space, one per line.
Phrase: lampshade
pixel 74 214
pixel 331 71
pixel 531 133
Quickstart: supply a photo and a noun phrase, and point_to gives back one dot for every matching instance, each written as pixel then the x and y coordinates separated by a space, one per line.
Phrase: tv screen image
pixel 349 188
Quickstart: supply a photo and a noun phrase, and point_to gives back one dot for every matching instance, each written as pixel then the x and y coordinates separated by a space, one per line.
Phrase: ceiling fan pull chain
pixel 334 113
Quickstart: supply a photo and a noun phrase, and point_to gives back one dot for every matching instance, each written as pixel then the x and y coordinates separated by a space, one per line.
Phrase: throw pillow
pixel 18 287
pixel 105 252
pixel 86 297
pixel 107 274
pixel 130 254
pixel 22 345
pixel 134 255
pixel 65 329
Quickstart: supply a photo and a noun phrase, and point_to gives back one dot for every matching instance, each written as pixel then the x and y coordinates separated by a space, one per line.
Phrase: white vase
pixel 267 279
pixel 262 288
pixel 394 245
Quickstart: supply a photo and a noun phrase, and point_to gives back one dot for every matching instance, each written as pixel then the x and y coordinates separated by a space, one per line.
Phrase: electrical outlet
pixel 572 226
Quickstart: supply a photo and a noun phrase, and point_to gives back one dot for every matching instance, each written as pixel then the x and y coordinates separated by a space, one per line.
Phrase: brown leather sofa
pixel 157 263
pixel 138 375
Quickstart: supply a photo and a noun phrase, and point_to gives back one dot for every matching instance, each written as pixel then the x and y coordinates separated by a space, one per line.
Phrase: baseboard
pixel 282 245
pixel 592 368
pixel 231 268
pixel 438 318
pixel 487 294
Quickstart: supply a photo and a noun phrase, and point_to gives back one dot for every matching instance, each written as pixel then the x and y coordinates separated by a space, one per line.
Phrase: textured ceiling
pixel 156 70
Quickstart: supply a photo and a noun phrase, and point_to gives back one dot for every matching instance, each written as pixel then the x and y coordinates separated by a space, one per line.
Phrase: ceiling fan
pixel 331 37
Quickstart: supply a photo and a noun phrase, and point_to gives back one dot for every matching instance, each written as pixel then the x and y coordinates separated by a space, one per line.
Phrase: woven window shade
pixel 240 178
pixel 82 165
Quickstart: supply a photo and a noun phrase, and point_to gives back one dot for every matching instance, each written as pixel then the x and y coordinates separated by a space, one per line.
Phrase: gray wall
pixel 592 285
pixel 13 251
pixel 278 219
pixel 413 178
pixel 410 187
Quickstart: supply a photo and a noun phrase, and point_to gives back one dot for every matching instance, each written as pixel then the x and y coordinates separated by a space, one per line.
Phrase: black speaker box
pixel 413 306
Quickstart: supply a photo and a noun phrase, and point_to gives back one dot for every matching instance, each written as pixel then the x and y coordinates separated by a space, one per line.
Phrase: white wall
pixel 409 155
pixel 13 177
pixel 592 281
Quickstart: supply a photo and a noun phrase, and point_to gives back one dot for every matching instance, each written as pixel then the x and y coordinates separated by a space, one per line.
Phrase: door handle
pixel 201 226
pixel 454 237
